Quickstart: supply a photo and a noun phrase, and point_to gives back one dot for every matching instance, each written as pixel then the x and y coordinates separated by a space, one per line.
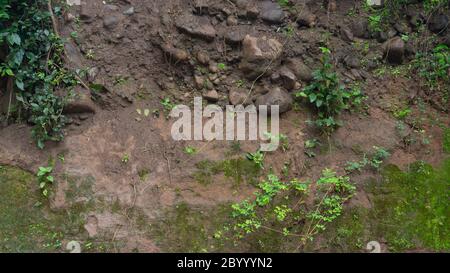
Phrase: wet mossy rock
pixel 28 224
pixel 410 211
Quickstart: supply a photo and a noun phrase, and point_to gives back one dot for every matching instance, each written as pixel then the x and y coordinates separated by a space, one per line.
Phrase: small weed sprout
pixel 257 158
pixel 125 158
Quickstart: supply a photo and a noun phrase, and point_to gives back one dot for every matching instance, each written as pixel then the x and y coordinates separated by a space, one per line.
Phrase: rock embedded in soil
pixel 199 82
pixel 288 78
pixel 80 103
pixel 175 54
pixel 201 6
pixel 300 69
pixel 110 21
pixel 446 40
pixel 232 20
pixel 252 12
pixel 203 57
pixel 347 34
pixel 73 54
pixel 196 26
pixel 237 96
pixel 211 96
pixel 352 61
pixel 278 97
pixel 236 35
pixel 88 10
pixel 438 23
pixel 272 12
pixel 360 28
pixel 259 55
pixel 306 18
pixel 129 11
pixel 394 50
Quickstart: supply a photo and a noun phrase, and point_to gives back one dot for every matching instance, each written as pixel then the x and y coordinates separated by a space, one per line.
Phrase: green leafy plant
pixel 190 150
pixel 45 179
pixel 125 158
pixel 221 66
pixel 167 104
pixel 375 160
pixel 257 158
pixel 433 67
pixel 402 113
pixel 327 95
pixel 280 207
pixel 353 166
pixel 378 157
pixel 34 62
pixel 375 23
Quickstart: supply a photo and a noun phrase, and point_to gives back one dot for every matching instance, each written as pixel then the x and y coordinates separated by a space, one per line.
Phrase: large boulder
pixel 259 55
pixel 278 97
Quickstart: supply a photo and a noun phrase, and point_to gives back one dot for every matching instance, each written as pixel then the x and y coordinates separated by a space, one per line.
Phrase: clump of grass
pixel 446 141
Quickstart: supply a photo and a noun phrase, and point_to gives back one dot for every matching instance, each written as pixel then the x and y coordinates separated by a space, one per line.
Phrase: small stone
pixel 306 19
pixel 237 96
pixel 211 95
pixel 199 82
pixel 360 28
pixel 201 7
pixel 232 21
pixel 110 22
pixel 252 12
pixel 83 117
pixel 352 61
pixel 70 17
pixel 394 50
pixel 178 55
pixel 92 74
pixel 272 12
pixel 300 69
pixel 347 34
pixel 332 6
pixel 235 36
pixel 196 26
pixel 213 67
pixel 438 23
pixel 203 57
pixel 129 11
pixel 288 78
pixel 257 54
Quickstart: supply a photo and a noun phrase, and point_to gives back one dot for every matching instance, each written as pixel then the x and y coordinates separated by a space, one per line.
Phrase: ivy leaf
pixel 18 57
pixel 20 85
pixel 13 39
